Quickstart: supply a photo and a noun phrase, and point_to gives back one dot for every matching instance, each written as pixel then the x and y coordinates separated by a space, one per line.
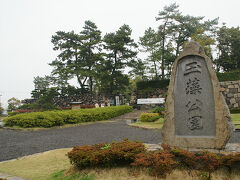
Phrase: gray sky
pixel 26 27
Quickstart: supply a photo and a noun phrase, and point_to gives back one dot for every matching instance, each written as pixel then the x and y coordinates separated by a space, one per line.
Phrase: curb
pixel 9 177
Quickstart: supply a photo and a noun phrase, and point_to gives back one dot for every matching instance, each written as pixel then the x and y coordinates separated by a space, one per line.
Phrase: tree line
pixel 109 63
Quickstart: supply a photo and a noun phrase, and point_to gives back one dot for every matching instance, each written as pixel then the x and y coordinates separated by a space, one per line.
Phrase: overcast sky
pixel 26 27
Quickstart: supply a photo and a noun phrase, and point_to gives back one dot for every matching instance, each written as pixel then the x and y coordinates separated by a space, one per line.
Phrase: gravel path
pixel 14 143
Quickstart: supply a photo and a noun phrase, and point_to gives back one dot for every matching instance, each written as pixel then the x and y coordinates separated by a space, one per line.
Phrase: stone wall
pixel 229 89
pixel 231 93
pixel 84 98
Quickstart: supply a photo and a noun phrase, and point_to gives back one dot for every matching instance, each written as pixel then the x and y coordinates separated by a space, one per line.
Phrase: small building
pixel 76 105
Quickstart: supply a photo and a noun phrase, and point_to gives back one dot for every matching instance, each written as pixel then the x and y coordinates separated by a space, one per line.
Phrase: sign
pixel 117 101
pixel 151 101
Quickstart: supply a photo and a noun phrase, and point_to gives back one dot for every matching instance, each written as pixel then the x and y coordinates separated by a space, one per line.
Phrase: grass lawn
pixel 155 125
pixel 236 119
pixel 159 123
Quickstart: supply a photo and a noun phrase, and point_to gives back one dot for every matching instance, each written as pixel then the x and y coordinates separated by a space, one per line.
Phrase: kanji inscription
pixel 194 112
pixel 193 86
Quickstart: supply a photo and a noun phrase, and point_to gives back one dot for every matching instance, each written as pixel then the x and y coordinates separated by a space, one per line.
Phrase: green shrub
pixel 29 106
pixel 105 155
pixel 158 110
pixel 13 113
pixel 58 118
pixel 149 117
pixel 229 76
pixel 235 110
pixel 141 85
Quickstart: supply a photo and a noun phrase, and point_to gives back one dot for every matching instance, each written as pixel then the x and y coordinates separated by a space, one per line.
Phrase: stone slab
pixel 196 114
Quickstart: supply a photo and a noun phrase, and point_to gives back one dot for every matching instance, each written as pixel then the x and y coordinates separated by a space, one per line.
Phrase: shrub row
pixel 152 84
pixel 229 76
pixel 160 163
pixel 235 110
pixel 163 83
pixel 58 118
pixel 149 117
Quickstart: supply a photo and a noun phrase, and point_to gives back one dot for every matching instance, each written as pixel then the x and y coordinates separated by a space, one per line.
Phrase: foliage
pixel 120 52
pixel 185 158
pixel 57 118
pixel 229 48
pixel 207 161
pixel 235 110
pixel 158 110
pixel 149 117
pixel 160 163
pixel 13 113
pixel 13 104
pixel 231 160
pixel 117 153
pixel 1 109
pixel 78 55
pixel 162 84
pixel 175 29
pixel 46 100
pixel 29 106
pixel 229 76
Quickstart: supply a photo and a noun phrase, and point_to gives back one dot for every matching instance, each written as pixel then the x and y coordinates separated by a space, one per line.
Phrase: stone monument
pixel 196 115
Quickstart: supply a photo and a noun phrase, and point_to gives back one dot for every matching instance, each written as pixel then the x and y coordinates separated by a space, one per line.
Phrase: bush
pixel 149 117
pixel 160 163
pixel 58 118
pixel 13 113
pixel 235 110
pixel 105 155
pixel 229 76
pixel 29 106
pixel 231 160
pixel 158 110
pixel 141 85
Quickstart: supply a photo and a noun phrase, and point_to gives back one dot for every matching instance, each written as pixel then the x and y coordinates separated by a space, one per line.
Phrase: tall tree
pixel 151 44
pixel 13 104
pixel 166 18
pixel 78 54
pixel 229 48
pixel 41 84
pixel 1 109
pixel 120 53
pixel 90 50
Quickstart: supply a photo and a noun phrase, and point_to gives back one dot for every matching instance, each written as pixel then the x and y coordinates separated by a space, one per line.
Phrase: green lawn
pixel 159 123
pixel 236 119
pixel 156 124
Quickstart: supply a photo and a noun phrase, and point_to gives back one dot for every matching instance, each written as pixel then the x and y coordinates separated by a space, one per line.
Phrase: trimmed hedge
pixel 57 118
pixel 229 76
pixel 235 110
pixel 152 84
pixel 149 117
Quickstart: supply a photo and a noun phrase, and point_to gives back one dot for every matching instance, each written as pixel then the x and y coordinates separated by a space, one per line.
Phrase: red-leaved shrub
pixel 105 155
pixel 160 163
